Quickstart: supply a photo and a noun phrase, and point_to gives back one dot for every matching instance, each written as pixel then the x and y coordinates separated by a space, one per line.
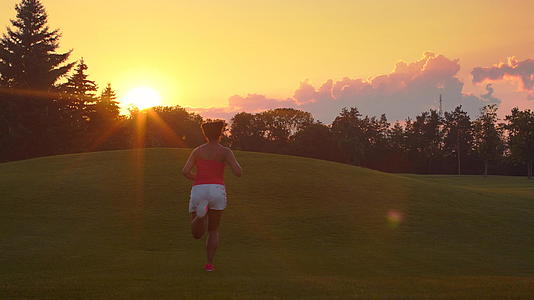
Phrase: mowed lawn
pixel 114 225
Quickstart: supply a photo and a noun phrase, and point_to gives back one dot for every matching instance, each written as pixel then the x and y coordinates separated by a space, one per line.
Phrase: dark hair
pixel 213 130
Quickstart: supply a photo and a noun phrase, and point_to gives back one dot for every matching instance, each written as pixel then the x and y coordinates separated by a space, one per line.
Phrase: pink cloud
pixel 523 71
pixel 251 103
pixel 256 102
pixel 412 87
pixel 224 113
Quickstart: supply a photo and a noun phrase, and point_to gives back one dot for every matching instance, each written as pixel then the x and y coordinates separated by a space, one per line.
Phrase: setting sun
pixel 373 149
pixel 143 97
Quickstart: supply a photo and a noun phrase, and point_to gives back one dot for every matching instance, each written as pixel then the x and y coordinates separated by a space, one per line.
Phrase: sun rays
pixel 142 97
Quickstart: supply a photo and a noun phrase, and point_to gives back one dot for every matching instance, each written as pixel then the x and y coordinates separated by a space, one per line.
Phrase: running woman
pixel 208 194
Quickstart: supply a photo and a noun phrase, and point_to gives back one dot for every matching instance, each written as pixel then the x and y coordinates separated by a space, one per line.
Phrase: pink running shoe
pixel 209 267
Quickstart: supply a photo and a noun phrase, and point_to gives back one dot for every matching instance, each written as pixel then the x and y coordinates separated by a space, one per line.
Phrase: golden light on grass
pixel 142 97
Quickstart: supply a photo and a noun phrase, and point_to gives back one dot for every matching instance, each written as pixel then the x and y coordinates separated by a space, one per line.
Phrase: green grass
pixel 114 225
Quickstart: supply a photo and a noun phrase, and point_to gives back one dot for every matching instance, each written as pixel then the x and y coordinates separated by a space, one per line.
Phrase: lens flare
pixel 394 218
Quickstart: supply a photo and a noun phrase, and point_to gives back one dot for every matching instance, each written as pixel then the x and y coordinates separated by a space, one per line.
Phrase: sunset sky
pixel 201 53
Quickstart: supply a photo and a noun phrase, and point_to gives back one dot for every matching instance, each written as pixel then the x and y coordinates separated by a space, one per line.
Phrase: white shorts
pixel 214 194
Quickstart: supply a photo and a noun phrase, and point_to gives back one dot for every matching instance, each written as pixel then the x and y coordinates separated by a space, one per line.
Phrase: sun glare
pixel 143 97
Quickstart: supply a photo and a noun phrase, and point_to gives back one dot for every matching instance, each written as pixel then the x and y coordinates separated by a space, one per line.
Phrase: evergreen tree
pixel 78 102
pixel 80 93
pixel 29 61
pixel 79 86
pixel 107 107
pixel 106 129
pixel 28 57
pixel 488 141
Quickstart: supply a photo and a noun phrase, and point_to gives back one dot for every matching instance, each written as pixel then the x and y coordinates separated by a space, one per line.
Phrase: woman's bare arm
pixel 187 170
pixel 232 162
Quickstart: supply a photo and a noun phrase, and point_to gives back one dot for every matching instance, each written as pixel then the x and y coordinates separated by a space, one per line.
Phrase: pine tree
pixel 107 107
pixel 79 101
pixel 80 92
pixel 28 57
pixel 106 129
pixel 29 61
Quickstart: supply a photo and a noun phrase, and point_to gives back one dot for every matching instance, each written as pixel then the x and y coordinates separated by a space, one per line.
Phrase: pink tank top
pixel 209 172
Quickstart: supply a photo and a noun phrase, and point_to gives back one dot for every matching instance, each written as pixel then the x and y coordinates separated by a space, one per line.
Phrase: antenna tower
pixel 440 107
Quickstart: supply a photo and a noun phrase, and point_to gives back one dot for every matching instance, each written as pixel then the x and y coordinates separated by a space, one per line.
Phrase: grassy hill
pixel 114 225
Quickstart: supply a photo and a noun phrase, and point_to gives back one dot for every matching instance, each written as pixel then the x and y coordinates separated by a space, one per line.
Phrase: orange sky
pixel 199 53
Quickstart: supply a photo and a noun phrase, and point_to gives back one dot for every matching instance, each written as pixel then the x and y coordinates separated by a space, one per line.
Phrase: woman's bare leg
pixel 212 242
pixel 198 225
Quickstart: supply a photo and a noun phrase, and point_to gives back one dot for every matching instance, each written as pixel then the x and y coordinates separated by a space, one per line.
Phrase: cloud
pixel 514 69
pixel 489 95
pixel 255 102
pixel 251 103
pixel 412 87
pixel 224 113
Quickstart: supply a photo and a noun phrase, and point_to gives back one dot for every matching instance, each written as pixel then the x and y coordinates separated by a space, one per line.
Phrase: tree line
pixel 431 143
pixel 49 105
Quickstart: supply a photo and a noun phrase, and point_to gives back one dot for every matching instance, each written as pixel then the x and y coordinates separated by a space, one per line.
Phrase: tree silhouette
pixel 520 125
pixel 79 97
pixel 247 132
pixel 457 140
pixel 281 124
pixel 314 140
pixel 396 158
pixel 107 107
pixel 350 135
pixel 424 138
pixel 29 69
pixel 28 57
pixel 488 140
pixel 361 140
